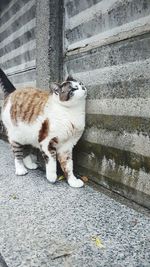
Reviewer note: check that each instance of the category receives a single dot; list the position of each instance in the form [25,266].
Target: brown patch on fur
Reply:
[63,162]
[43,133]
[27,104]
[52,146]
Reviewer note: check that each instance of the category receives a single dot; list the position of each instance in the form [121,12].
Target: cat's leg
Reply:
[29,162]
[18,153]
[65,159]
[49,155]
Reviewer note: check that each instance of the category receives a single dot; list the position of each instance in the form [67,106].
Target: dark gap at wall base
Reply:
[119,188]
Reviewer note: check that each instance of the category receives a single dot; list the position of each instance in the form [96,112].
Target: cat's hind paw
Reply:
[29,163]
[74,182]
[21,170]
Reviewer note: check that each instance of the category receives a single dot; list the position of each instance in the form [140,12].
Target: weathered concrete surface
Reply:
[42,44]
[49,22]
[107,47]
[54,225]
[103,16]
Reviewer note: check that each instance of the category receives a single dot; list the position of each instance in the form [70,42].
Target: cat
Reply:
[51,121]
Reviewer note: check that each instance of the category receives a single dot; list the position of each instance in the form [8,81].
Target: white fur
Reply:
[20,168]
[51,164]
[28,162]
[74,182]
[62,115]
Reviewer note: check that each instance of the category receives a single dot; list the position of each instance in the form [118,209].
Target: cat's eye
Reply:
[70,93]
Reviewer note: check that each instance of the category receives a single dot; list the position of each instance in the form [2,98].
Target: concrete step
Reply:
[48,225]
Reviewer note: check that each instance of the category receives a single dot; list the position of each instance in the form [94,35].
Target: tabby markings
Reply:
[27,104]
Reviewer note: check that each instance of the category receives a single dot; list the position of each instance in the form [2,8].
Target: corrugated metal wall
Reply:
[107,46]
[17,40]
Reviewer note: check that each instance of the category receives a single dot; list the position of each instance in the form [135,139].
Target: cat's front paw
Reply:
[74,182]
[52,177]
[21,170]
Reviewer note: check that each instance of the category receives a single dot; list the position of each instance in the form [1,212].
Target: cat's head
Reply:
[69,91]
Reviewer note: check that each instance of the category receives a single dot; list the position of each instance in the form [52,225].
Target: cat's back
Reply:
[26,104]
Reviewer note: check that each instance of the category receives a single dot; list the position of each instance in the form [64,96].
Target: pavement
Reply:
[48,225]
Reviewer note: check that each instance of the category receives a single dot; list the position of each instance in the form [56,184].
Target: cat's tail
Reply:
[6,84]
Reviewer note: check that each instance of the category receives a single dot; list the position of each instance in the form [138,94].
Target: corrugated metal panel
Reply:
[107,46]
[17,46]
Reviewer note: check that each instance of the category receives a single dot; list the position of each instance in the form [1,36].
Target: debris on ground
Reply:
[60,178]
[98,242]
[84,179]
[13,196]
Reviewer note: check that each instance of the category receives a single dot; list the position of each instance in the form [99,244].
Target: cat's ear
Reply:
[69,78]
[55,87]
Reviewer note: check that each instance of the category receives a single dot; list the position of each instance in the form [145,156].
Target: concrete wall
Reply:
[107,46]
[49,61]
[18,45]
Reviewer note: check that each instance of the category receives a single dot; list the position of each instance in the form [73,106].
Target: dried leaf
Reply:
[84,179]
[98,242]
[61,178]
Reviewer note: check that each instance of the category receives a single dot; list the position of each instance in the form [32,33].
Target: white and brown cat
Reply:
[52,122]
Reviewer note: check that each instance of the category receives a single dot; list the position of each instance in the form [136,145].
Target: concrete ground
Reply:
[54,225]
